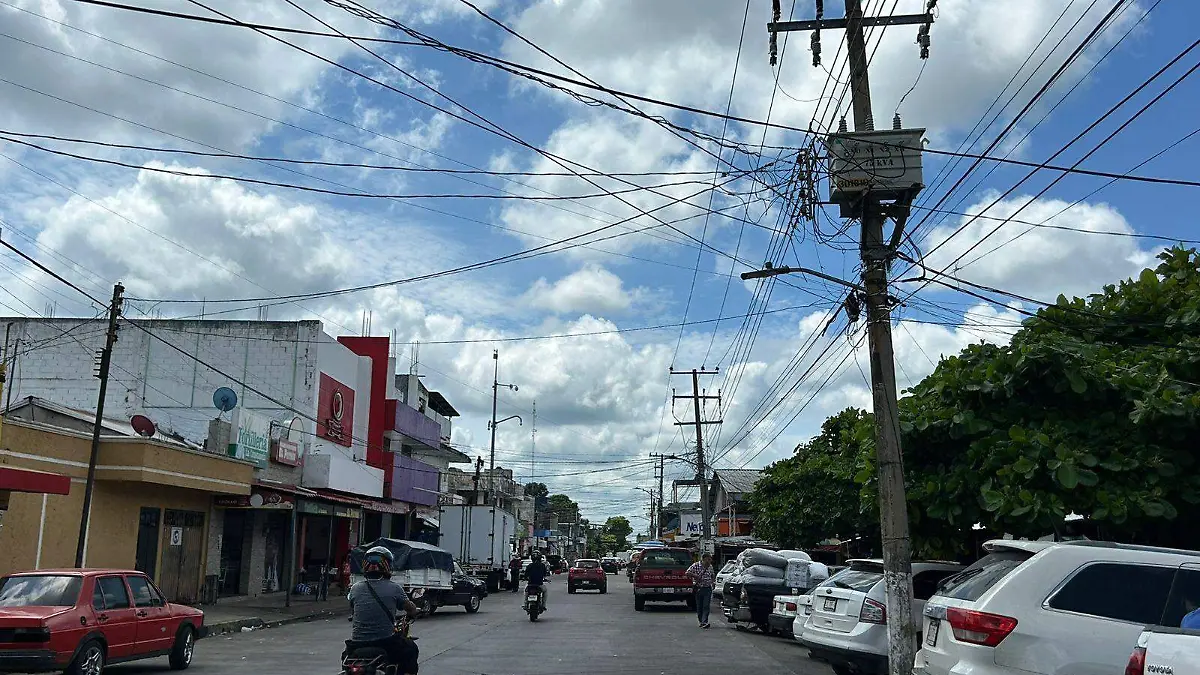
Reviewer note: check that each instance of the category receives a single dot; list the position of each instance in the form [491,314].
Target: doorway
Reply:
[147,541]
[183,553]
[229,577]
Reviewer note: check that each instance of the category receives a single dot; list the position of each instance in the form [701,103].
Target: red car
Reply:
[79,621]
[661,576]
[587,574]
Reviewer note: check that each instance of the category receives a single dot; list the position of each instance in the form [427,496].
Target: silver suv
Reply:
[847,626]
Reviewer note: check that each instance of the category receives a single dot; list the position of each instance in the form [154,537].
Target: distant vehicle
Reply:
[661,576]
[587,573]
[847,625]
[723,576]
[467,533]
[429,575]
[610,565]
[81,620]
[1047,608]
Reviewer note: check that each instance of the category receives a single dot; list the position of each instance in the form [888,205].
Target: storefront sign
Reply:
[326,509]
[286,452]
[259,499]
[335,411]
[251,437]
[690,524]
[177,536]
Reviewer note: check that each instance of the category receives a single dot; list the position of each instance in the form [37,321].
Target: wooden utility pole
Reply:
[657,515]
[114,313]
[701,470]
[876,253]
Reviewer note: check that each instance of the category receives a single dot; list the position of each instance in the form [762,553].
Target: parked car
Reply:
[723,577]
[661,576]
[1040,607]
[784,614]
[610,565]
[82,620]
[1173,651]
[847,625]
[587,573]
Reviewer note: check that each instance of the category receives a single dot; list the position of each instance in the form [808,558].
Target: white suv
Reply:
[846,620]
[1048,608]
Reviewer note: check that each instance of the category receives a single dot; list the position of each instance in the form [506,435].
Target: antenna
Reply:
[413,368]
[143,425]
[225,399]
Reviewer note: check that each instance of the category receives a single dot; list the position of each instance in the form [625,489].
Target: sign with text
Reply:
[691,524]
[258,499]
[286,452]
[335,411]
[250,437]
[797,575]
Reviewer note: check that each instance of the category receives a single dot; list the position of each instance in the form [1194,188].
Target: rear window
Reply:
[973,582]
[666,559]
[729,567]
[587,564]
[1142,598]
[40,591]
[854,579]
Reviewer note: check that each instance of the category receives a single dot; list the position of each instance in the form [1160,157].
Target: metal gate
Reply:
[182,555]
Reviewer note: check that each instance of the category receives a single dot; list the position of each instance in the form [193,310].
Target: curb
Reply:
[258,623]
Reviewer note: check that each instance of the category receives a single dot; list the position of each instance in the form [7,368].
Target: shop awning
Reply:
[28,480]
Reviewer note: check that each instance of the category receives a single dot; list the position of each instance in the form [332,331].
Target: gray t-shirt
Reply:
[372,622]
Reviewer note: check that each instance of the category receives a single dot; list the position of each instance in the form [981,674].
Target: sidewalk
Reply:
[231,615]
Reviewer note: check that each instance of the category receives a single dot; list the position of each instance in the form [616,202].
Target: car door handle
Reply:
[102,618]
[142,613]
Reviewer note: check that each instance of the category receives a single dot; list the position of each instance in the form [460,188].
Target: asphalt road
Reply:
[583,633]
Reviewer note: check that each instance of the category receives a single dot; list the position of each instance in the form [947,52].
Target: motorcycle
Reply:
[374,660]
[533,601]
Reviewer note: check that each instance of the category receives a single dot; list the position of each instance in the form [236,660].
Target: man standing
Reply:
[514,573]
[703,576]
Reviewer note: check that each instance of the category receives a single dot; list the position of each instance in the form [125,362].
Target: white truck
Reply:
[480,539]
[1166,651]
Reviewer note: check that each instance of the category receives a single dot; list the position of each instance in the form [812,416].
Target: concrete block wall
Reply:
[58,358]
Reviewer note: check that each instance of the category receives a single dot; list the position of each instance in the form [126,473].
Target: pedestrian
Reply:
[703,577]
[514,573]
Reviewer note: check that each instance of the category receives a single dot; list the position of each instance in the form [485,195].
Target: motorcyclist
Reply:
[375,603]
[536,574]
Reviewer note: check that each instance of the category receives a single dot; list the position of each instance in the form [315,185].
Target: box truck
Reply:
[479,537]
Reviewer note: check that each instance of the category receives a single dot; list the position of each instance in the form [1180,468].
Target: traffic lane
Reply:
[602,634]
[315,648]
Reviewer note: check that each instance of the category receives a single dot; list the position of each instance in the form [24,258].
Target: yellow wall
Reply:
[116,500]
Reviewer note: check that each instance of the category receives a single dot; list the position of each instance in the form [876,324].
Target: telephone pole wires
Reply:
[868,168]
[114,313]
[698,422]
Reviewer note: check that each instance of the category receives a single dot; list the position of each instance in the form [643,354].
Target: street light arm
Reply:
[510,417]
[776,271]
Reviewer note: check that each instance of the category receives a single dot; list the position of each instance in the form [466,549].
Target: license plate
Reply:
[932,632]
[830,604]
[531,598]
[668,590]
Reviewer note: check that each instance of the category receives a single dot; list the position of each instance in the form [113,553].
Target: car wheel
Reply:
[639,604]
[472,604]
[89,660]
[604,589]
[691,604]
[842,670]
[571,590]
[185,645]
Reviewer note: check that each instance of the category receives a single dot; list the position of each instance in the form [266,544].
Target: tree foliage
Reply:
[1093,408]
[615,534]
[536,490]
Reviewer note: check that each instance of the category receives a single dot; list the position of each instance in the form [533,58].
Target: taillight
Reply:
[41,634]
[1137,662]
[979,628]
[791,606]
[872,612]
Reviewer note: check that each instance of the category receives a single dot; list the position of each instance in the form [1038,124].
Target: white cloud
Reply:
[589,290]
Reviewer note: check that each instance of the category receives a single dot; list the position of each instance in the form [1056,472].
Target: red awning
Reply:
[28,480]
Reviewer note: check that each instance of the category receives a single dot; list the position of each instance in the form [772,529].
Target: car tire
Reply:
[842,670]
[691,604]
[184,647]
[472,605]
[603,589]
[89,661]
[639,604]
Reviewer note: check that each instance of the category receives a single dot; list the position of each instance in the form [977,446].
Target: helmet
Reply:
[378,562]
[537,556]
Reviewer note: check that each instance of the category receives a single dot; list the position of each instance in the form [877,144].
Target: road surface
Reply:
[582,633]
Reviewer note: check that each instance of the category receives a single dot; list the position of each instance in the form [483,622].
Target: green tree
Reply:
[536,490]
[616,533]
[818,492]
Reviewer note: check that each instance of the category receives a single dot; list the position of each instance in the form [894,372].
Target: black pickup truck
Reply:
[750,602]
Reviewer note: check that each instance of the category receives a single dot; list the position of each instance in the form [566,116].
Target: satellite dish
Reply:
[143,425]
[224,399]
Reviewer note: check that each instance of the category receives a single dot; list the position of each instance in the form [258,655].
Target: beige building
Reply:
[152,502]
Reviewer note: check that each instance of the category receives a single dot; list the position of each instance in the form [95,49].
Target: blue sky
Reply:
[170,83]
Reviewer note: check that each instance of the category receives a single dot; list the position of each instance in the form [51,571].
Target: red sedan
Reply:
[587,573]
[82,620]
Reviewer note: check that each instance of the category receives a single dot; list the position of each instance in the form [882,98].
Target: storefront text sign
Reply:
[286,452]
[335,411]
[251,437]
[259,499]
[324,509]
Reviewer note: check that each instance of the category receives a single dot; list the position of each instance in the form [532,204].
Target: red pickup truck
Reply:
[661,576]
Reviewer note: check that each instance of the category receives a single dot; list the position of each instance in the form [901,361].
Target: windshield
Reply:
[666,558]
[728,568]
[586,564]
[860,580]
[973,582]
[40,591]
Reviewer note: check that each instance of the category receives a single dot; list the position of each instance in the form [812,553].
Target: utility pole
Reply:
[869,152]
[658,526]
[114,312]
[3,375]
[699,422]
[492,498]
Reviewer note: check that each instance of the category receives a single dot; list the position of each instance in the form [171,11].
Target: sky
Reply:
[408,163]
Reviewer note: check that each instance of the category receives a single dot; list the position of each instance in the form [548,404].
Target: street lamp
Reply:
[770,270]
[653,514]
